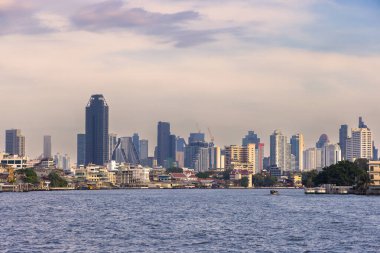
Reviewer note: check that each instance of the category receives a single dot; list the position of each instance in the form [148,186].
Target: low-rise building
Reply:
[374,176]
[14,161]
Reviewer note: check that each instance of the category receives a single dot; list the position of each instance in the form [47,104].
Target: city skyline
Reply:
[294,66]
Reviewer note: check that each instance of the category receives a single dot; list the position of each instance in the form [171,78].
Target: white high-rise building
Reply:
[66,165]
[362,143]
[331,154]
[215,157]
[312,159]
[280,151]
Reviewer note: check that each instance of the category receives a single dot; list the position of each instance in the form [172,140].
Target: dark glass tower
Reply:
[97,131]
[343,135]
[163,142]
[81,149]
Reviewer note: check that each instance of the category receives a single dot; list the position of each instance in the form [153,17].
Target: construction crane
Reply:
[211,136]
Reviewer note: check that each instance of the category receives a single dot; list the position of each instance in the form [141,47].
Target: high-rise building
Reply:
[215,154]
[375,152]
[163,143]
[297,148]
[323,141]
[331,154]
[144,150]
[180,153]
[197,156]
[112,142]
[250,138]
[362,143]
[361,123]
[66,165]
[58,161]
[81,149]
[14,142]
[280,151]
[196,137]
[343,135]
[312,159]
[47,147]
[125,152]
[136,142]
[97,149]
[241,157]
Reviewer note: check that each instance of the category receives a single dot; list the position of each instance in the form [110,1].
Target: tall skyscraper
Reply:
[280,151]
[323,141]
[343,135]
[297,148]
[163,142]
[215,157]
[97,149]
[47,147]
[252,138]
[196,137]
[14,142]
[361,123]
[313,159]
[125,151]
[144,150]
[136,142]
[331,154]
[66,165]
[81,149]
[112,142]
[362,143]
[197,156]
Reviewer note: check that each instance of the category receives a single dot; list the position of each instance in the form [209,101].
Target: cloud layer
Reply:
[301,66]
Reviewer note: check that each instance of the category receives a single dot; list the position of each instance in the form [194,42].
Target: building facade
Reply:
[47,147]
[97,138]
[81,150]
[280,151]
[297,149]
[14,142]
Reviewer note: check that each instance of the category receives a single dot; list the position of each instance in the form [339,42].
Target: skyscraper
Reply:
[196,137]
[97,130]
[280,151]
[163,142]
[252,138]
[241,157]
[361,123]
[362,143]
[81,149]
[343,135]
[297,148]
[136,142]
[331,154]
[144,150]
[14,142]
[112,142]
[47,146]
[323,141]
[125,151]
[197,156]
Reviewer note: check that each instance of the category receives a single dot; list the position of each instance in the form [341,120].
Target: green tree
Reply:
[203,174]
[344,173]
[226,174]
[56,180]
[174,170]
[29,176]
[244,182]
[260,180]
[308,178]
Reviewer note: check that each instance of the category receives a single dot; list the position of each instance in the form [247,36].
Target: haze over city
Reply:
[298,66]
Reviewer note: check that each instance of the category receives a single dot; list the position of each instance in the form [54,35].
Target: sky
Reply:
[231,66]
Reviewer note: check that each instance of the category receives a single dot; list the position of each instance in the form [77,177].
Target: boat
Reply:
[309,191]
[274,192]
[320,190]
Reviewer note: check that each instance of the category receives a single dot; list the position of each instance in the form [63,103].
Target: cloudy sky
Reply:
[295,65]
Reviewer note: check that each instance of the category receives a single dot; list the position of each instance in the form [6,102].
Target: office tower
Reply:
[196,137]
[349,150]
[136,142]
[215,154]
[361,123]
[163,142]
[252,138]
[361,143]
[241,157]
[14,142]
[343,135]
[66,166]
[180,153]
[279,151]
[58,161]
[312,159]
[47,146]
[297,148]
[197,156]
[81,149]
[97,148]
[144,150]
[331,154]
[375,152]
[125,152]
[112,142]
[266,163]
[323,141]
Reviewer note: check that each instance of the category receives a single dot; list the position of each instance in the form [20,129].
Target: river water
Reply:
[188,221]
